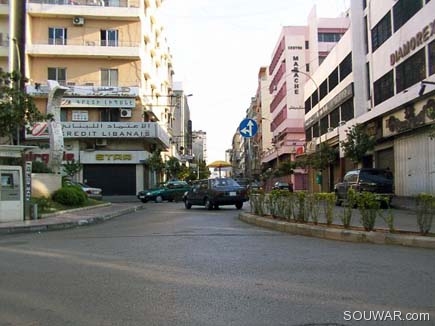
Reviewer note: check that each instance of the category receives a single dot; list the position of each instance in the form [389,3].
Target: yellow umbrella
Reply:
[219,165]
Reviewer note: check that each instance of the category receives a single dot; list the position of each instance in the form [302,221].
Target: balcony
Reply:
[38,90]
[100,9]
[88,48]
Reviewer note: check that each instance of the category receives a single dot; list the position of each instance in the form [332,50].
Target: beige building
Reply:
[118,109]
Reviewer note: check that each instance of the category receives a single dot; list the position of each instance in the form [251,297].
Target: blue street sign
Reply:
[248,128]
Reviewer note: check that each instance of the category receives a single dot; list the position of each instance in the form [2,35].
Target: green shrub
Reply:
[347,212]
[70,196]
[43,203]
[368,205]
[425,212]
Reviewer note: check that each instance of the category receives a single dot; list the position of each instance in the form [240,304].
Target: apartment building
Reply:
[113,57]
[301,48]
[381,75]
[4,34]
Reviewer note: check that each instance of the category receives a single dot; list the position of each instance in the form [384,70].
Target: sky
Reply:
[218,48]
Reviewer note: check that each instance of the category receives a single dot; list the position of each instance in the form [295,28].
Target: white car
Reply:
[92,192]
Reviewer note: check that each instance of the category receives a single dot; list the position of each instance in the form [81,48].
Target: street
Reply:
[165,265]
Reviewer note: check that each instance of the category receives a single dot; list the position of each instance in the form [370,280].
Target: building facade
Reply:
[380,75]
[298,48]
[120,105]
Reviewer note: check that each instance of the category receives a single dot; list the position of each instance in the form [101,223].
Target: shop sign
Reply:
[410,117]
[98,130]
[426,33]
[113,157]
[98,102]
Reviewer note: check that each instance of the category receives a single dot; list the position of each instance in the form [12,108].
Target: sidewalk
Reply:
[71,218]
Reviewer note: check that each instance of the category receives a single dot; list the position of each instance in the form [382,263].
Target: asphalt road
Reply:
[166,265]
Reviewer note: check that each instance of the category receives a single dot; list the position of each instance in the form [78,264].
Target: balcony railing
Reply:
[101,3]
[87,42]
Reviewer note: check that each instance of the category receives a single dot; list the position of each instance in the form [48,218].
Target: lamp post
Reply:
[319,178]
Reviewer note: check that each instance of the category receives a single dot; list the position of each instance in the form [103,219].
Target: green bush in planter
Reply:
[425,212]
[368,205]
[70,196]
[347,211]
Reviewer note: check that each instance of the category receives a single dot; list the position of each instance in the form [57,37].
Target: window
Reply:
[58,74]
[403,10]
[366,37]
[345,66]
[63,115]
[109,77]
[347,110]
[308,105]
[333,79]
[110,115]
[307,45]
[432,58]
[411,71]
[314,98]
[383,88]
[308,136]
[369,95]
[79,115]
[109,37]
[381,32]
[334,118]
[57,36]
[324,125]
[315,130]
[307,67]
[323,89]
[329,37]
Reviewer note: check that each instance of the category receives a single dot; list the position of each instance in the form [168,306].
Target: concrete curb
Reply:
[339,234]
[69,222]
[60,213]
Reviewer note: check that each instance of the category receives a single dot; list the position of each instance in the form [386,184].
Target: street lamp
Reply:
[319,176]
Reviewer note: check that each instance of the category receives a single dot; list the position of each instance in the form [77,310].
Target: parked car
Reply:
[91,192]
[212,193]
[379,181]
[170,191]
[280,185]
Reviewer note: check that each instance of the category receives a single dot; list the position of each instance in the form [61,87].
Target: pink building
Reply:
[298,48]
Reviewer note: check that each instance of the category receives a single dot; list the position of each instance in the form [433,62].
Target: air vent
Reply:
[78,21]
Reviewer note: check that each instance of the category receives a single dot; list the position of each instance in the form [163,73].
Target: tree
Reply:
[72,167]
[173,167]
[357,143]
[17,108]
[155,162]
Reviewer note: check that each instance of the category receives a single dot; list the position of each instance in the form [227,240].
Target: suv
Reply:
[170,191]
[214,192]
[379,181]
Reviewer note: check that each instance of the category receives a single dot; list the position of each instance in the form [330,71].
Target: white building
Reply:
[374,77]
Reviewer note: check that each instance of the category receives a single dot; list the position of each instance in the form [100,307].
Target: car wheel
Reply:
[144,200]
[216,206]
[208,204]
[187,204]
[159,199]
[239,205]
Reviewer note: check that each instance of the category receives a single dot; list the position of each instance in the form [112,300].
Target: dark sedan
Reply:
[211,193]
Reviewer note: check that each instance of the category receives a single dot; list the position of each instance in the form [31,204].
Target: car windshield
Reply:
[224,182]
[376,175]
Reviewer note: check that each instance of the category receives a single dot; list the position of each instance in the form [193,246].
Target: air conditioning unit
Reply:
[78,21]
[101,142]
[125,113]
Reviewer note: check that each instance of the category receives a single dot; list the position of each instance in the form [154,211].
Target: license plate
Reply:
[233,193]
